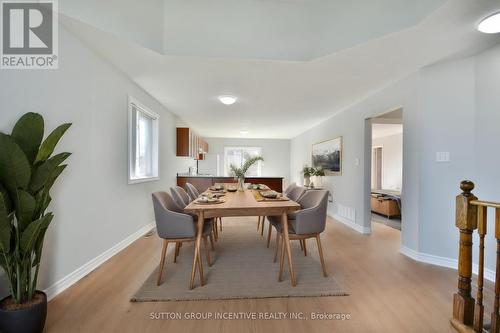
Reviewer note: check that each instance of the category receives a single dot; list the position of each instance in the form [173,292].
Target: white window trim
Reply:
[131,143]
[227,173]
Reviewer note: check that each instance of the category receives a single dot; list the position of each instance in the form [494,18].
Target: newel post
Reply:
[466,222]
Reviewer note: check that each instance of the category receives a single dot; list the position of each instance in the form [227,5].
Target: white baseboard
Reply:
[442,261]
[87,268]
[351,224]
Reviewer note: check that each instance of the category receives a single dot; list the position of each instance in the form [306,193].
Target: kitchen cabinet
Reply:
[190,144]
[202,183]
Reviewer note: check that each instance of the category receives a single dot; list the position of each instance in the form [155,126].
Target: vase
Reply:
[307,180]
[28,319]
[319,181]
[241,184]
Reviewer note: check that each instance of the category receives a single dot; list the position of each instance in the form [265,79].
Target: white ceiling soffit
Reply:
[133,20]
[283,30]
[280,99]
[293,30]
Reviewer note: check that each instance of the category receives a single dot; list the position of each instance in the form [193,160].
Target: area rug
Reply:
[243,268]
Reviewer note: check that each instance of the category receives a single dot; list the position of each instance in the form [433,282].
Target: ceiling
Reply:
[283,92]
[283,30]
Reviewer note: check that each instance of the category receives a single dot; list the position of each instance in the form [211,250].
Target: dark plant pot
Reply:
[27,320]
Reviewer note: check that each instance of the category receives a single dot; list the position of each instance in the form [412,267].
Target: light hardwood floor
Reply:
[388,293]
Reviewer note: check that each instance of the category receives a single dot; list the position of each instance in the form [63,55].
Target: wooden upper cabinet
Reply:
[183,142]
[189,144]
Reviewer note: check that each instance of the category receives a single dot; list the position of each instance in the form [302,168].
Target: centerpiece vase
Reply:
[241,184]
[307,181]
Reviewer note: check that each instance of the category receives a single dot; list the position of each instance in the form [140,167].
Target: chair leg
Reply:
[282,259]
[301,245]
[258,223]
[277,246]
[176,252]
[212,242]
[320,250]
[305,246]
[262,225]
[220,223]
[207,251]
[162,261]
[269,231]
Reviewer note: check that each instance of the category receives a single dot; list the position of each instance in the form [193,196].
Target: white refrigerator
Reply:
[210,165]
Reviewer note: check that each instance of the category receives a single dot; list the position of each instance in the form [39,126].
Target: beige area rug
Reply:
[243,268]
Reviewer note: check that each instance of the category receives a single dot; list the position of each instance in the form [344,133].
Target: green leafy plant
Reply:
[240,172]
[27,172]
[308,171]
[320,172]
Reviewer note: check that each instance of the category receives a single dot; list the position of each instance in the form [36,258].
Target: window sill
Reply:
[143,180]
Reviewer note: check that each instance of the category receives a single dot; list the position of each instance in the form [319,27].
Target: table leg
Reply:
[286,239]
[197,251]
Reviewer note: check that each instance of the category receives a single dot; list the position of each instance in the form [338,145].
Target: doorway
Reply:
[386,165]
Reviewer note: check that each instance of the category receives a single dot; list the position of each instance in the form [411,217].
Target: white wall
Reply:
[392,161]
[347,190]
[276,154]
[93,205]
[451,106]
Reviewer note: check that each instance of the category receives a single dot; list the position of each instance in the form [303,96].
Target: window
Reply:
[238,156]
[143,143]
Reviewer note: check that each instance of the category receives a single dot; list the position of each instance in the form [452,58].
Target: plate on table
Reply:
[258,187]
[232,189]
[269,194]
[218,188]
[207,201]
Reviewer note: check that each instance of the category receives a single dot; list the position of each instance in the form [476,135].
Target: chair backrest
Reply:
[296,193]
[192,191]
[289,188]
[180,196]
[170,221]
[314,204]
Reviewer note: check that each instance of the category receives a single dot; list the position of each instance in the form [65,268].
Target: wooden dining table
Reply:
[241,204]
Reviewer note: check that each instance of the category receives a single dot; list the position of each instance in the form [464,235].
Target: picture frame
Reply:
[328,156]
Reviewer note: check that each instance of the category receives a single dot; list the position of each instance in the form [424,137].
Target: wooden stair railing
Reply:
[471,214]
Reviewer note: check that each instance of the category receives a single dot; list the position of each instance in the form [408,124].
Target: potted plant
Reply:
[319,174]
[308,172]
[239,173]
[27,172]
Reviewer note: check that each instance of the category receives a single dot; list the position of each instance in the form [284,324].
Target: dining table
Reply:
[241,203]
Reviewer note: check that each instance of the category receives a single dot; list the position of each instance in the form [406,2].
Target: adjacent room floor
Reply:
[388,293]
[394,222]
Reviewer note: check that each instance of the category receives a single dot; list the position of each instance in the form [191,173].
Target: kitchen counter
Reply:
[197,176]
[203,182]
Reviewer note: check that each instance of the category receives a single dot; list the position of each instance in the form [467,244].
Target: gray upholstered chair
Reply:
[293,192]
[289,188]
[296,192]
[176,227]
[180,196]
[192,191]
[262,219]
[308,222]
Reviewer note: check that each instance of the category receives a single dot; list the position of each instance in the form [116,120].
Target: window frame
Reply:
[226,166]
[132,134]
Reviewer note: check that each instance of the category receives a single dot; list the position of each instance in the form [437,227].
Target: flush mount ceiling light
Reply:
[227,99]
[490,24]
[243,132]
